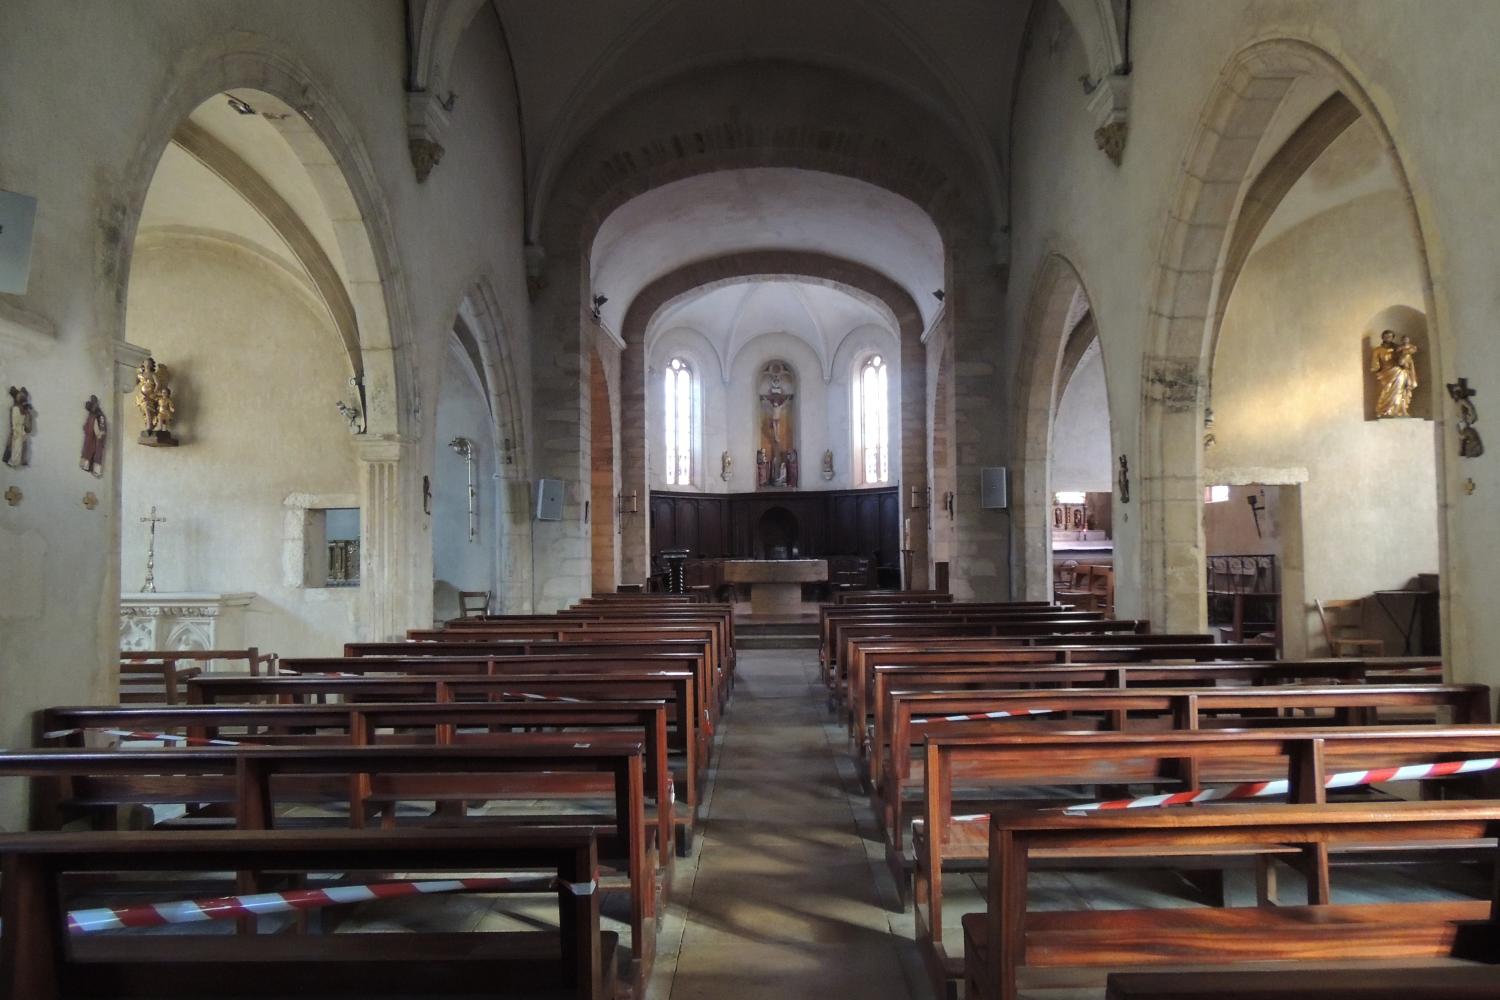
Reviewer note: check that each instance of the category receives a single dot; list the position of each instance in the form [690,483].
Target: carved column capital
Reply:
[1109,103]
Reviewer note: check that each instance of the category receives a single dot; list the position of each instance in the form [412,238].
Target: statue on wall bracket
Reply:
[1394,366]
[95,436]
[22,424]
[153,397]
[776,464]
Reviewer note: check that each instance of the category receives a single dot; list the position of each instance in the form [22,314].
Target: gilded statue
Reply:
[153,397]
[1395,369]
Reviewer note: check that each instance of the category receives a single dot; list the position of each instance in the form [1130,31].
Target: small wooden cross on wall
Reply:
[13,496]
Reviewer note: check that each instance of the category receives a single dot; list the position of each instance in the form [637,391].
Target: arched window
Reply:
[872,448]
[678,400]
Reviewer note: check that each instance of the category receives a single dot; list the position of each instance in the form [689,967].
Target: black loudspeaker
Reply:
[994,487]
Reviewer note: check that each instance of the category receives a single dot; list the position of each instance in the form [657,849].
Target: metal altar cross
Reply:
[153,520]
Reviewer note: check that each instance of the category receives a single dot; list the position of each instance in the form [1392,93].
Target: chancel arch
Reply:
[1225,216]
[891,321]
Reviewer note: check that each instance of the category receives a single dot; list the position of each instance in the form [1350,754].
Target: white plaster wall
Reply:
[459,563]
[1080,432]
[256,366]
[89,158]
[729,414]
[1289,391]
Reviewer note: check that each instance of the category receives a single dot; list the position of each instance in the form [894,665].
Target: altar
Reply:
[183,621]
[776,584]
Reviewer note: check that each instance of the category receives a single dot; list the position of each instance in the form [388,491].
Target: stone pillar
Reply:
[635,529]
[1168,484]
[914,472]
[395,575]
[560,401]
[980,563]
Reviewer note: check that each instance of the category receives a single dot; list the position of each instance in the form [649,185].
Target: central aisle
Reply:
[784,903]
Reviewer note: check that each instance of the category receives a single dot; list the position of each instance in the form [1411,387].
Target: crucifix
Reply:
[153,520]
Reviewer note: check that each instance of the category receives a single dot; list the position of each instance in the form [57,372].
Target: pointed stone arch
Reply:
[1195,270]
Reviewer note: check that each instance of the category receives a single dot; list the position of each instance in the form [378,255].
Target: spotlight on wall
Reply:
[599,301]
[240,106]
[940,295]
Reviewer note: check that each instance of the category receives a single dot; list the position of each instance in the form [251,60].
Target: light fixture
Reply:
[939,294]
[465,447]
[240,106]
[599,301]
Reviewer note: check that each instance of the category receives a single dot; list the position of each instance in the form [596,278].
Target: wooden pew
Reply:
[675,688]
[916,716]
[1427,982]
[480,660]
[993,768]
[893,597]
[846,634]
[829,615]
[39,960]
[1046,650]
[560,642]
[1006,669]
[355,724]
[372,780]
[1008,938]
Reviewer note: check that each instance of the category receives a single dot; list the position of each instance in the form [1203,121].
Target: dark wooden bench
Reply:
[1006,676]
[675,688]
[973,774]
[40,960]
[371,781]
[1041,651]
[1010,938]
[354,724]
[479,660]
[916,716]
[1428,982]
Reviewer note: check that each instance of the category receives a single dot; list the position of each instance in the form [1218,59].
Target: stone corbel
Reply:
[1109,104]
[426,129]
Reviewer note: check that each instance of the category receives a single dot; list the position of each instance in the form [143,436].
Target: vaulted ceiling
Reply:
[577,60]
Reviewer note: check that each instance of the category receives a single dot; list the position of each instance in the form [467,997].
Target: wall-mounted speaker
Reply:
[17,217]
[994,487]
[549,499]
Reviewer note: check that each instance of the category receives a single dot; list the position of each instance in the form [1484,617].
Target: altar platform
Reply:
[776,584]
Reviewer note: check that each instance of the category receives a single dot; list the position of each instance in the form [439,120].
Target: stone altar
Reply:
[183,621]
[776,584]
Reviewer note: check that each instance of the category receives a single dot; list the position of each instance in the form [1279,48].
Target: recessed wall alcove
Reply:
[777,535]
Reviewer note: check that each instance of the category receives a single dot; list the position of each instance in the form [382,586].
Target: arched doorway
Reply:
[467,547]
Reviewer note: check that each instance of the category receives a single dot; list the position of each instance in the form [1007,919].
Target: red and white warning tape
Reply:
[1281,786]
[231,907]
[979,716]
[132,734]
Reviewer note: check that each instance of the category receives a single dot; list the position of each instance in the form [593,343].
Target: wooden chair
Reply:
[473,603]
[1345,639]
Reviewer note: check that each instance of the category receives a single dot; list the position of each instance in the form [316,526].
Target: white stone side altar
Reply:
[183,621]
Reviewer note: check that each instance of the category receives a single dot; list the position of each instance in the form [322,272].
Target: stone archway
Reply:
[851,277]
[1195,270]
[395,592]
[779,120]
[1059,304]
